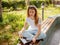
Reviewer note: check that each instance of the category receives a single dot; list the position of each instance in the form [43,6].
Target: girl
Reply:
[34,29]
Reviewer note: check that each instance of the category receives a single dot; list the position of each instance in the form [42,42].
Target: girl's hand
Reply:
[20,34]
[34,40]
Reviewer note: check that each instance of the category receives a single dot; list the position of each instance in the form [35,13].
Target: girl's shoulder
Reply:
[27,19]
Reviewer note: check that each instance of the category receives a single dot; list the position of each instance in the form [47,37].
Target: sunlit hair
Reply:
[35,16]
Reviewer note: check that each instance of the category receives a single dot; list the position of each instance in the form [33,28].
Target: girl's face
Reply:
[31,12]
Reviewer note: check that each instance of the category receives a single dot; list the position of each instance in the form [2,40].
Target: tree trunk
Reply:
[27,2]
[37,1]
[0,11]
[53,2]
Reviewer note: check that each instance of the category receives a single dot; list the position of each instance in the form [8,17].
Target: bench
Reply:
[46,24]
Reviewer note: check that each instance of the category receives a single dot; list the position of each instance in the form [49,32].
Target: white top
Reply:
[32,23]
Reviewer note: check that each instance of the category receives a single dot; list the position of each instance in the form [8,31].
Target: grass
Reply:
[50,11]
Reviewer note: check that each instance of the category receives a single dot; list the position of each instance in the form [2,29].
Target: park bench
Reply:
[46,24]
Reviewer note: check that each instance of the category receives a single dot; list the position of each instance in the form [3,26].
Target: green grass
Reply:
[50,11]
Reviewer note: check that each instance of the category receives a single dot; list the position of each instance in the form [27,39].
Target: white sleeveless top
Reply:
[32,23]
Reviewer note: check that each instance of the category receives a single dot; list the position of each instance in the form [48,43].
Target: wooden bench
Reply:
[46,24]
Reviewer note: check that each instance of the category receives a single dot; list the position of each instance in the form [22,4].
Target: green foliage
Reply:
[5,37]
[15,42]
[16,22]
[21,4]
[13,20]
[36,4]
[13,4]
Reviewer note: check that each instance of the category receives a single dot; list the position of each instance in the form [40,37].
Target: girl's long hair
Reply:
[35,16]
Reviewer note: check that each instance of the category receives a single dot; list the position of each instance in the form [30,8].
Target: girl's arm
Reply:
[38,32]
[24,27]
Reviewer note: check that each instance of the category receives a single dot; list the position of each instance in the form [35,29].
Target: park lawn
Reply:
[50,11]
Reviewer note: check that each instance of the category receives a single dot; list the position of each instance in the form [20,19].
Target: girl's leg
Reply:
[41,36]
[28,35]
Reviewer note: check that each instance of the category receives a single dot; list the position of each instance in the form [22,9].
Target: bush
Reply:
[5,37]
[16,22]
[21,4]
[36,4]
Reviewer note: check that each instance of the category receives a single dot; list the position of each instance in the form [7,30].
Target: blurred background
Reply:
[13,14]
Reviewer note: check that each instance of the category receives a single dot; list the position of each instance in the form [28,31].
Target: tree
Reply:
[0,10]
[27,2]
[15,5]
[54,2]
[37,1]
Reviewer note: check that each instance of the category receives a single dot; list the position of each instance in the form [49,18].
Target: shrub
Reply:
[5,37]
[16,21]
[21,4]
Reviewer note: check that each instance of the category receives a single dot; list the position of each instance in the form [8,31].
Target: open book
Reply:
[24,41]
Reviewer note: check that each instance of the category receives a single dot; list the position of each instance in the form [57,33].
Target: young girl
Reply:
[34,29]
